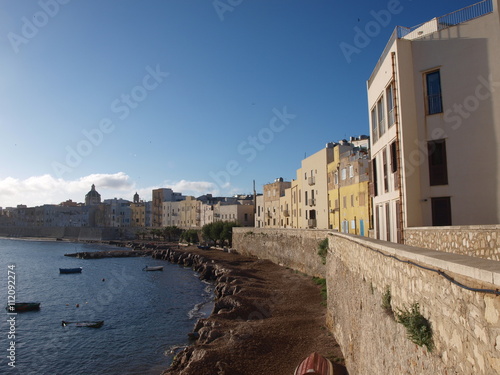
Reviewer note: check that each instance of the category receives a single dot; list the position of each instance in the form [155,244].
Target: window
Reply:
[441,211]
[352,200]
[438,171]
[336,178]
[389,98]
[387,222]
[374,125]
[375,180]
[351,171]
[394,158]
[380,117]
[345,201]
[362,199]
[343,174]
[384,162]
[434,100]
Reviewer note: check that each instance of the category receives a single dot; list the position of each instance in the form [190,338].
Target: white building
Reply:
[434,103]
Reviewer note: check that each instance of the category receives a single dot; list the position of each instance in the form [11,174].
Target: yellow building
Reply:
[348,189]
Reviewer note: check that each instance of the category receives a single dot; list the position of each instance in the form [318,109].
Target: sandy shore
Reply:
[266,318]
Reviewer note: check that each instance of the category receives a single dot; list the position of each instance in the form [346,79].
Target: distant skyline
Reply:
[200,96]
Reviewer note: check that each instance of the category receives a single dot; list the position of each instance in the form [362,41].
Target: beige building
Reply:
[272,194]
[434,103]
[312,190]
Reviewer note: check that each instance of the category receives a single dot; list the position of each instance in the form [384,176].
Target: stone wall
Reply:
[293,248]
[481,241]
[68,233]
[465,324]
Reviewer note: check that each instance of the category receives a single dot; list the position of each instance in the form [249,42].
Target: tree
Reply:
[190,236]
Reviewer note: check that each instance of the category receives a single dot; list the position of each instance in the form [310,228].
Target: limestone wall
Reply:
[69,233]
[466,324]
[294,248]
[481,241]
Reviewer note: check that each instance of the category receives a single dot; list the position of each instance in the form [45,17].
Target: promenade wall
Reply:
[67,233]
[481,241]
[360,270]
[293,248]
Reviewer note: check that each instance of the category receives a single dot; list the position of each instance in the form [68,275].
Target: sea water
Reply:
[146,315]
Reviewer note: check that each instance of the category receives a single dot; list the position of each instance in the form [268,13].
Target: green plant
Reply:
[322,283]
[323,250]
[386,301]
[417,326]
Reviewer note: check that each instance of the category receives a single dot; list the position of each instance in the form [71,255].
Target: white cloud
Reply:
[193,187]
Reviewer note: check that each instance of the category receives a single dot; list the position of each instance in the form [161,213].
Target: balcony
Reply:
[311,180]
[311,223]
[286,213]
[311,202]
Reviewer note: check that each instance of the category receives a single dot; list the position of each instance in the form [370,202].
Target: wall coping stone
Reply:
[485,270]
[457,227]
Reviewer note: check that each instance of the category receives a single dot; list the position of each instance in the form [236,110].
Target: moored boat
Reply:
[70,270]
[315,364]
[203,247]
[155,268]
[23,306]
[90,324]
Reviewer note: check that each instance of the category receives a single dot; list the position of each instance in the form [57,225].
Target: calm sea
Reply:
[145,313]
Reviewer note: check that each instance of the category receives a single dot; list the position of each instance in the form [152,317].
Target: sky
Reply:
[201,96]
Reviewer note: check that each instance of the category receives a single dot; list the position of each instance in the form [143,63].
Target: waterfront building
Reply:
[138,214]
[117,213]
[240,212]
[313,202]
[433,100]
[92,198]
[159,197]
[348,187]
[272,194]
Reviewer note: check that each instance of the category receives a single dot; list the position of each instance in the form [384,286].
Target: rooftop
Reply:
[436,24]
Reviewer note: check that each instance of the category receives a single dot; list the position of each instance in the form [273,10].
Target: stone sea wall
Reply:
[293,248]
[465,324]
[68,233]
[481,241]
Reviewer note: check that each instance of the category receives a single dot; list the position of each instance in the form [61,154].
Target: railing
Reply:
[311,180]
[311,202]
[451,19]
[311,223]
[466,14]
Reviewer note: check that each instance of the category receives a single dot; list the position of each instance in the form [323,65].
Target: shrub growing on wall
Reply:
[418,328]
[323,250]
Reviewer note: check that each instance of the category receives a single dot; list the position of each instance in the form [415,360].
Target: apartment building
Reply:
[272,208]
[434,110]
[159,197]
[348,187]
[312,191]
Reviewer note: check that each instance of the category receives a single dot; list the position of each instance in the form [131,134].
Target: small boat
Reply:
[70,270]
[23,306]
[203,247]
[315,364]
[155,268]
[90,324]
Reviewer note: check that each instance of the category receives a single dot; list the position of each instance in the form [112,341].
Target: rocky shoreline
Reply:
[266,318]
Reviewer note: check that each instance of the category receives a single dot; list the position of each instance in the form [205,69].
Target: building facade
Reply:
[434,102]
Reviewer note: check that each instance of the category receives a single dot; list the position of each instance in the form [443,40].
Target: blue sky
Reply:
[199,96]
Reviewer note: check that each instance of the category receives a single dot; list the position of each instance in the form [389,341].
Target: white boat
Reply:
[155,268]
